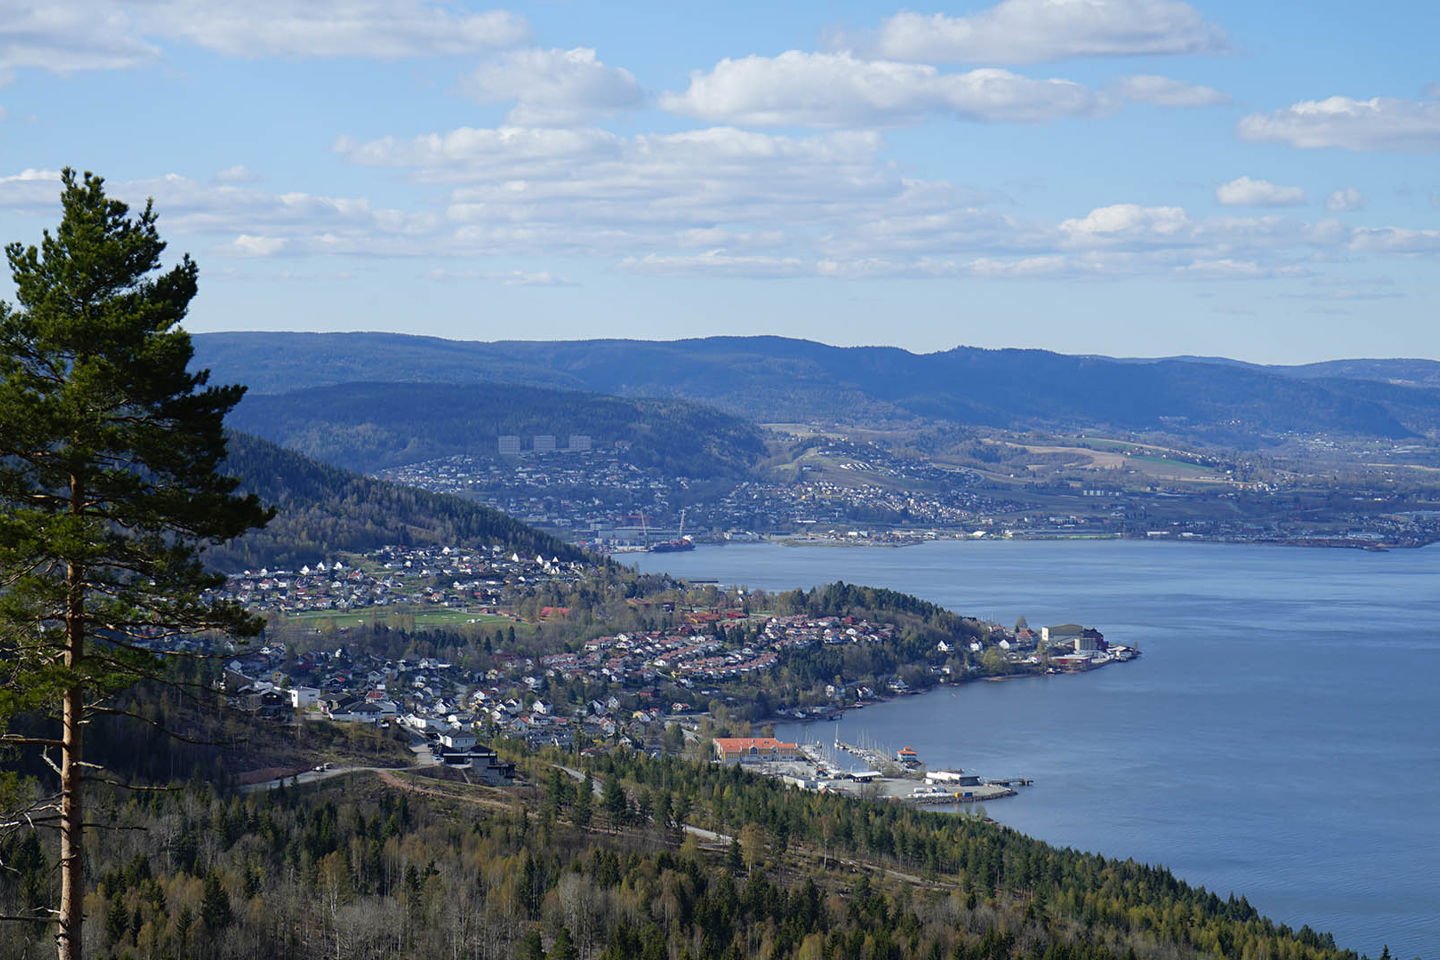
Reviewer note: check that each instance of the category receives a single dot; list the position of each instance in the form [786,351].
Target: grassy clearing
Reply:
[1179,466]
[418,616]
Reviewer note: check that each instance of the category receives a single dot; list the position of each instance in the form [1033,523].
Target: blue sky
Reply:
[1129,177]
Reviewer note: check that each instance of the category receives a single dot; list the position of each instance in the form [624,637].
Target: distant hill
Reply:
[772,378]
[371,426]
[322,510]
[1422,373]
[1404,372]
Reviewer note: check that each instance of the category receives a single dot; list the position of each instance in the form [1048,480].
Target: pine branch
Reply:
[29,741]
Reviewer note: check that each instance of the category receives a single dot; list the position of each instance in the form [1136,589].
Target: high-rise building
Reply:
[509,446]
[545,443]
[579,443]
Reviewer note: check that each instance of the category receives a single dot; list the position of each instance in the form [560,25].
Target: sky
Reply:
[1122,177]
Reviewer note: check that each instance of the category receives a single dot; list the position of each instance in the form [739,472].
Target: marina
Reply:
[897,775]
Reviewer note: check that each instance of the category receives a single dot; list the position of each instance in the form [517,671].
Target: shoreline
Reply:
[838,712]
[1311,543]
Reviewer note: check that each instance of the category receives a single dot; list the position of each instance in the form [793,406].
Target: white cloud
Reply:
[32,175]
[251,223]
[1165,92]
[1245,192]
[1395,240]
[1125,223]
[1345,199]
[729,193]
[722,238]
[839,89]
[1029,31]
[31,189]
[65,36]
[1381,123]
[249,245]
[698,178]
[470,153]
[730,202]
[1227,268]
[1054,266]
[716,202]
[555,87]
[1223,269]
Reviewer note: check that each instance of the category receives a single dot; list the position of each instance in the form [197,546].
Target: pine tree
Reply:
[584,808]
[215,909]
[109,488]
[616,804]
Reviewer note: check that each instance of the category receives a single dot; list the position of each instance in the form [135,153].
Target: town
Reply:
[330,654]
[840,488]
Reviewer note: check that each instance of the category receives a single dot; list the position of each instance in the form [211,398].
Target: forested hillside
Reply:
[321,510]
[371,426]
[388,866]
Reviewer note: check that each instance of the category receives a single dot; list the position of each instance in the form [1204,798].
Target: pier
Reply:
[877,759]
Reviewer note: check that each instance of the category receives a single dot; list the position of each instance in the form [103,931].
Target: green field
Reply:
[1176,463]
[420,616]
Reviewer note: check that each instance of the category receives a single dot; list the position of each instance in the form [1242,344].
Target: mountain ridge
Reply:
[775,378]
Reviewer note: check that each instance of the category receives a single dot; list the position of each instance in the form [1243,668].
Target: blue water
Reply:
[1279,739]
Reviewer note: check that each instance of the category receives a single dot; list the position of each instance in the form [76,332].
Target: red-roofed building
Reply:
[753,749]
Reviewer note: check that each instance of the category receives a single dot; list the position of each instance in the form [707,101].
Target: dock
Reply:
[987,791]
[875,758]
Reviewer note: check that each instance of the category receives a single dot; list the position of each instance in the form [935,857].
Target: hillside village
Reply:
[482,580]
[598,497]
[635,687]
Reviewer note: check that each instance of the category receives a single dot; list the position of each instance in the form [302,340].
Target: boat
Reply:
[680,544]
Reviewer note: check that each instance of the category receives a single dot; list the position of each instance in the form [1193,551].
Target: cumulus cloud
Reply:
[554,87]
[1245,192]
[1125,223]
[1030,31]
[65,36]
[1165,92]
[1380,123]
[1345,199]
[839,89]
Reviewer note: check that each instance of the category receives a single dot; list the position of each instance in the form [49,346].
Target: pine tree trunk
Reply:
[69,941]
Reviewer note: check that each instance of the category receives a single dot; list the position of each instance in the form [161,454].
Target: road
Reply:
[423,758]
